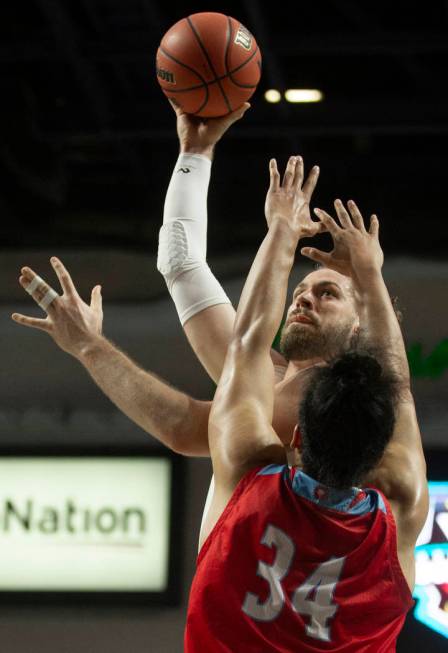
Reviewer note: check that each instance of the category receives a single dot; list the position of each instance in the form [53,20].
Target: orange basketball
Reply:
[208,64]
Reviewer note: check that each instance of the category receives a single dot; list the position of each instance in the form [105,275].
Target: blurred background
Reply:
[87,147]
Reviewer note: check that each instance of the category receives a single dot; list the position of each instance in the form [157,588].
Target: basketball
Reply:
[208,64]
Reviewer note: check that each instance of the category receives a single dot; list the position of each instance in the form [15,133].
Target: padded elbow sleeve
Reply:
[183,239]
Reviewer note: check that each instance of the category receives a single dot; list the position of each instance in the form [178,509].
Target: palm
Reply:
[340,258]
[205,132]
[290,199]
[76,321]
[303,216]
[190,126]
[295,205]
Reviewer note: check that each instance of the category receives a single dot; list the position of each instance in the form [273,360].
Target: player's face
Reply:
[322,317]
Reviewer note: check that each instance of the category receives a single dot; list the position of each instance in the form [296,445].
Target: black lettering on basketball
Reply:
[166,75]
[244,38]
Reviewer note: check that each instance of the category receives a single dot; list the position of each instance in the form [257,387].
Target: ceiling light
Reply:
[272,96]
[303,95]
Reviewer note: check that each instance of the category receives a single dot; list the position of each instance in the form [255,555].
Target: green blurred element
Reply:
[276,343]
[415,360]
[434,365]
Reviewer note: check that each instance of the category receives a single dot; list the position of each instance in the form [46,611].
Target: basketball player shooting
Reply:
[325,296]
[305,560]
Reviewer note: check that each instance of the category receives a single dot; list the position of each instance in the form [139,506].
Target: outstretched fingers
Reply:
[329,223]
[237,114]
[64,277]
[274,176]
[288,178]
[355,213]
[38,288]
[33,322]
[310,182]
[343,215]
[298,173]
[28,276]
[96,301]
[316,255]
[374,227]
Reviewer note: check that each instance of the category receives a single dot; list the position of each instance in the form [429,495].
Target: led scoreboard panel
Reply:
[85,524]
[431,557]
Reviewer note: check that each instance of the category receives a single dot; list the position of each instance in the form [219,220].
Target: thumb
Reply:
[238,113]
[316,255]
[176,108]
[96,301]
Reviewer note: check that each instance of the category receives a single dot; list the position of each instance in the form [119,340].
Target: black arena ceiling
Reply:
[88,140]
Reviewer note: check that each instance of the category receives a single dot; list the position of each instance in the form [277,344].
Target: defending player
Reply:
[303,560]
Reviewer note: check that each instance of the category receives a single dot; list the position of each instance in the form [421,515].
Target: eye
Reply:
[327,293]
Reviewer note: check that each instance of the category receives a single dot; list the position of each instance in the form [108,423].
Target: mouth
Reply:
[303,319]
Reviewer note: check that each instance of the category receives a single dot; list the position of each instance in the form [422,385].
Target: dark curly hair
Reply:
[346,418]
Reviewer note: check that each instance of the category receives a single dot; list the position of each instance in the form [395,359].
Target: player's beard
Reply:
[302,341]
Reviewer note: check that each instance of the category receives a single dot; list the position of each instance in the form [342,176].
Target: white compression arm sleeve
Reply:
[183,239]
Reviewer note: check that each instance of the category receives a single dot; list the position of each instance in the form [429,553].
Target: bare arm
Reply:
[402,472]
[357,253]
[174,418]
[240,431]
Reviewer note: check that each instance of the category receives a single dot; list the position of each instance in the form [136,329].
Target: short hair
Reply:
[346,418]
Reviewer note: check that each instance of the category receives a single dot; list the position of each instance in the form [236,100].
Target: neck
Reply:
[296,366]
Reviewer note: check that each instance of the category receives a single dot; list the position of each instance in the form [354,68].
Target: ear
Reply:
[296,442]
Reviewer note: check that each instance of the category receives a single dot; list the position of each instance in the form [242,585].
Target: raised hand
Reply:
[290,198]
[71,322]
[200,135]
[356,250]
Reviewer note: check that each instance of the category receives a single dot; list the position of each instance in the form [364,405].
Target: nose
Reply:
[305,300]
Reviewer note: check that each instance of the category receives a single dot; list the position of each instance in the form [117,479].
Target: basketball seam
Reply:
[170,56]
[203,85]
[209,63]
[229,38]
[235,70]
[229,73]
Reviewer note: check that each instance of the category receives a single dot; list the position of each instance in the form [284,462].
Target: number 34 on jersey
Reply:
[313,598]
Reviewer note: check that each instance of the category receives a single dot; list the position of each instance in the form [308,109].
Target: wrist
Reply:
[284,238]
[368,285]
[282,225]
[89,348]
[365,275]
[201,150]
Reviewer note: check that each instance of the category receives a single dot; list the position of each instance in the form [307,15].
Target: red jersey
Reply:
[292,565]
